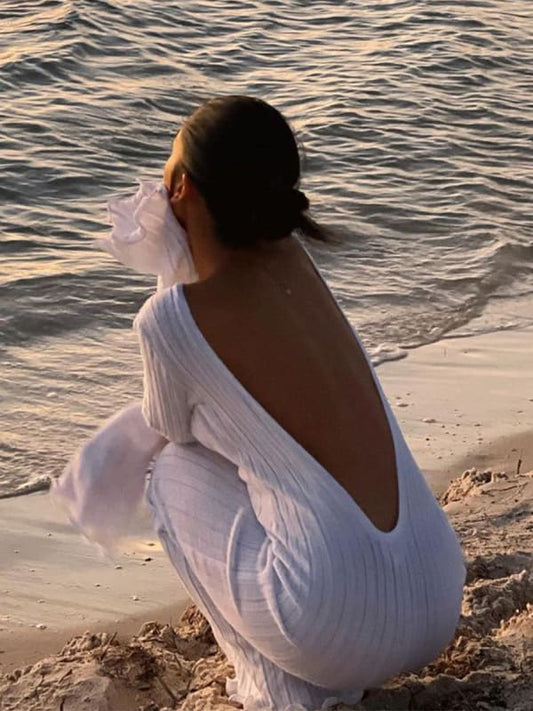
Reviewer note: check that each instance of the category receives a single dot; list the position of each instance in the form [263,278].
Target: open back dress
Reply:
[310,601]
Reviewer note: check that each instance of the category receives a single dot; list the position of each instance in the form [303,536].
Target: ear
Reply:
[182,189]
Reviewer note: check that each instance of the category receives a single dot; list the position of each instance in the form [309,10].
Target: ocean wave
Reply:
[28,487]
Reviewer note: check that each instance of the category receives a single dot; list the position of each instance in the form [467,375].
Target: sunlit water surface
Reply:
[416,121]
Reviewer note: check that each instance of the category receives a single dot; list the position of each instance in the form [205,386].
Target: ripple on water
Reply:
[416,126]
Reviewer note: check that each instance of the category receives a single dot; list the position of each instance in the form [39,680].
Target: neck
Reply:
[211,257]
[208,254]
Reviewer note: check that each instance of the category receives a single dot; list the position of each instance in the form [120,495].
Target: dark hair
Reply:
[242,156]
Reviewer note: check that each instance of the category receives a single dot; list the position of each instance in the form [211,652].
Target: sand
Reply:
[462,402]
[488,665]
[465,402]
[53,584]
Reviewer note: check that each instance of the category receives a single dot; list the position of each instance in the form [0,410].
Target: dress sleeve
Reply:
[165,404]
[167,400]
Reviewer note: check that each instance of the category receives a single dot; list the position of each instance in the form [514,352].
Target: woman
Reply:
[285,495]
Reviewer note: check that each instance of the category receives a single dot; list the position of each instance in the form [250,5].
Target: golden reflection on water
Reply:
[55,265]
[47,15]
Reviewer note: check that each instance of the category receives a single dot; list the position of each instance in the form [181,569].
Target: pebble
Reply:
[148,559]
[40,626]
[97,585]
[403,404]
[135,598]
[118,567]
[40,601]
[429,420]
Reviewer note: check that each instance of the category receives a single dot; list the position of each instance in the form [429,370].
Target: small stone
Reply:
[40,626]
[40,601]
[429,420]
[118,567]
[135,598]
[49,535]
[403,404]
[148,559]
[97,585]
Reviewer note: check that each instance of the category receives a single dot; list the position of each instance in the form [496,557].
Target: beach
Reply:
[463,403]
[415,137]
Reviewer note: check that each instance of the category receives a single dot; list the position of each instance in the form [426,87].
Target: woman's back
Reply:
[295,557]
[274,324]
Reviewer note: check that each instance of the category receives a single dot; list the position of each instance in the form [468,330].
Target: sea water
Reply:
[415,121]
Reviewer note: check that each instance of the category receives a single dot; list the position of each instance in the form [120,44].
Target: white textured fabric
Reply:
[310,601]
[147,237]
[103,483]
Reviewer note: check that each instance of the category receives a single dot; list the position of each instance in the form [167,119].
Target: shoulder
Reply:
[160,324]
[159,310]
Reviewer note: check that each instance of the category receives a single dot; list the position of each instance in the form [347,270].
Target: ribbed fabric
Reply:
[309,600]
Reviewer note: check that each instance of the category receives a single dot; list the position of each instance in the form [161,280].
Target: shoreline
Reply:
[55,584]
[461,402]
[465,401]
[487,665]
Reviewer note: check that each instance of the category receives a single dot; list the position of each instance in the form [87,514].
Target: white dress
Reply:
[309,600]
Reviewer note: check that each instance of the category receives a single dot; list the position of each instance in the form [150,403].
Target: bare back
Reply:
[297,356]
